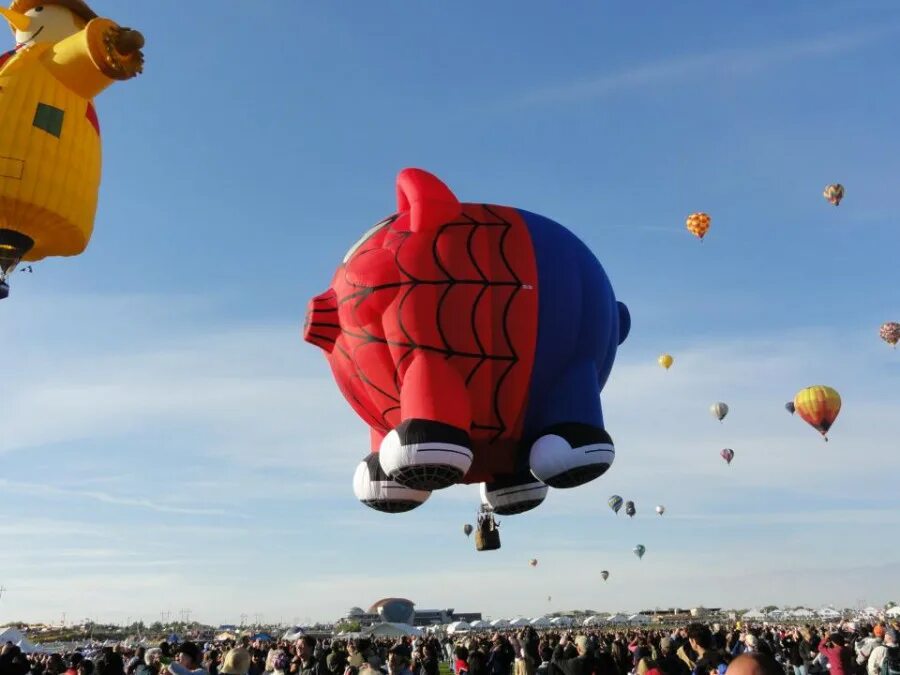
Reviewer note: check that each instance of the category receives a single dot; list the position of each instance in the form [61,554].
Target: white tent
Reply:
[458,627]
[499,623]
[294,633]
[540,622]
[388,629]
[593,621]
[519,623]
[641,619]
[616,618]
[829,613]
[17,637]
[802,613]
[753,615]
[479,625]
[562,621]
[870,612]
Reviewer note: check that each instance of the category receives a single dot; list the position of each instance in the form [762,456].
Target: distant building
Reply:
[401,610]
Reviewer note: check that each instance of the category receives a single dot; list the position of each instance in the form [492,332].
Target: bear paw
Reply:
[571,454]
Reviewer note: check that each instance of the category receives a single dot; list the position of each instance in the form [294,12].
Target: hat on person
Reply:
[237,662]
[78,7]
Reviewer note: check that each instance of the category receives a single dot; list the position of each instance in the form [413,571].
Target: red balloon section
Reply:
[434,327]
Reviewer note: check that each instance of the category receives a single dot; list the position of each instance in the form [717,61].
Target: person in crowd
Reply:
[573,657]
[708,657]
[398,662]
[754,664]
[867,645]
[151,664]
[834,648]
[885,658]
[461,663]
[189,661]
[668,662]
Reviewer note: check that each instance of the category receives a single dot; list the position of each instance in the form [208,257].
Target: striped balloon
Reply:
[834,193]
[819,407]
[698,224]
[719,410]
[615,503]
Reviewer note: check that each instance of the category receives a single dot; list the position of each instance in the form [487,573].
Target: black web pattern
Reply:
[481,355]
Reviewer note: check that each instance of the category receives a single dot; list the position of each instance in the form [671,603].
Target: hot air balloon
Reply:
[665,361]
[549,598]
[639,550]
[533,562]
[615,503]
[50,136]
[660,509]
[890,333]
[727,454]
[834,193]
[819,407]
[467,529]
[604,575]
[719,410]
[698,224]
[789,406]
[417,326]
[629,509]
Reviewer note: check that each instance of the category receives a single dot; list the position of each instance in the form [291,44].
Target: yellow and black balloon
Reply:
[50,151]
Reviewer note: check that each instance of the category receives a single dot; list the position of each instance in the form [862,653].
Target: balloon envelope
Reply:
[890,333]
[532,562]
[660,509]
[665,361]
[639,550]
[719,410]
[605,575]
[819,407]
[789,406]
[467,529]
[727,454]
[615,503]
[834,193]
[629,509]
[698,224]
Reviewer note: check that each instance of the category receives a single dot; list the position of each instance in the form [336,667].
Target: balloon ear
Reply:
[429,201]
[624,322]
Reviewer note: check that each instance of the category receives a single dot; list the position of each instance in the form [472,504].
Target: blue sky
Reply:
[169,441]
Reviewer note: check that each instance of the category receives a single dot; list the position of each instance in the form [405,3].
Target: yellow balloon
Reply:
[666,361]
[49,133]
[819,407]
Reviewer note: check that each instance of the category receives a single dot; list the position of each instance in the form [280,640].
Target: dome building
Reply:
[395,610]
